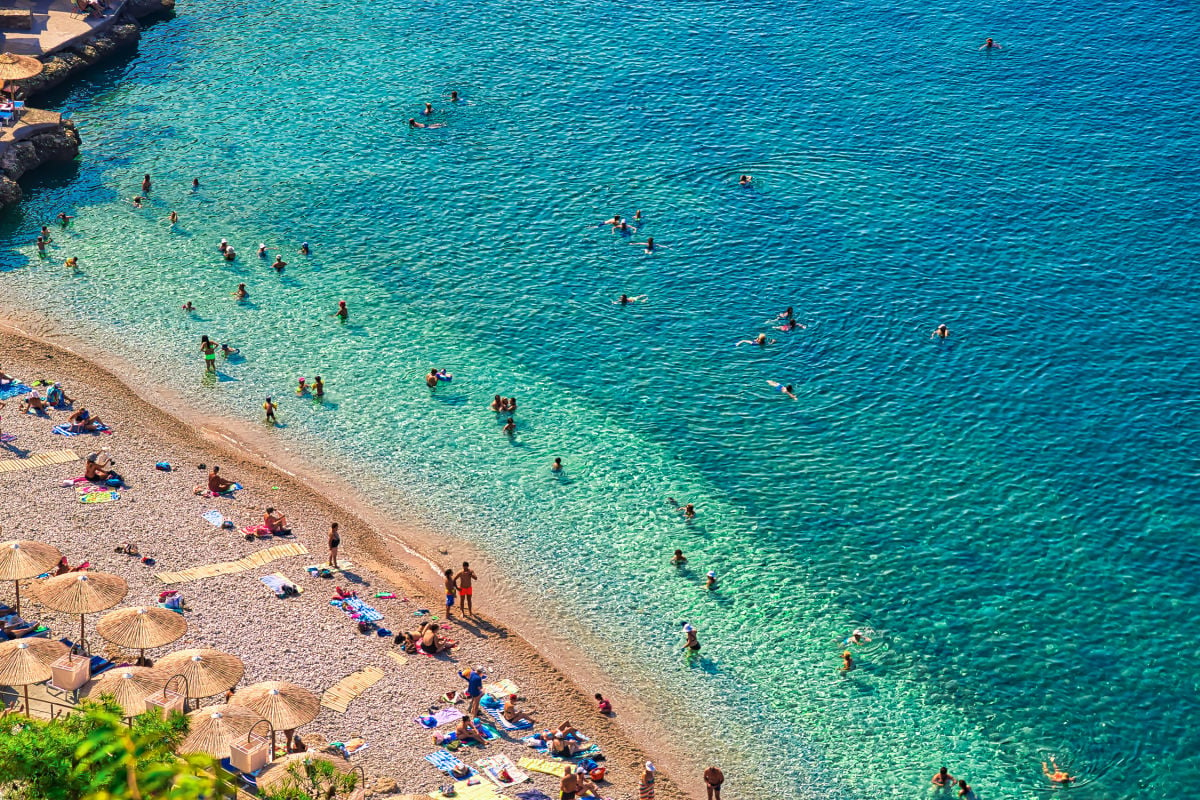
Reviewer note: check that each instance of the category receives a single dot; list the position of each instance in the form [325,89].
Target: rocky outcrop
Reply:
[146,8]
[82,57]
[60,143]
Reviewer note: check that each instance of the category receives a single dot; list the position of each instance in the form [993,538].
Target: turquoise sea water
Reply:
[1012,511]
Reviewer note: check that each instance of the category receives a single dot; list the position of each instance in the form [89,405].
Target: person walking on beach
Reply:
[646,786]
[713,778]
[465,588]
[209,349]
[335,541]
[451,590]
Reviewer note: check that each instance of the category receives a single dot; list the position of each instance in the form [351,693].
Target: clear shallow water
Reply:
[1013,510]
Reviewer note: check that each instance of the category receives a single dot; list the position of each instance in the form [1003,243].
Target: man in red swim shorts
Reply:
[465,589]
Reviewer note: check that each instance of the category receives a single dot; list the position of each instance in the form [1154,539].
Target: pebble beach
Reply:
[301,639]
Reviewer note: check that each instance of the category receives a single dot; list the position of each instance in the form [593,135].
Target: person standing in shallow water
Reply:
[209,349]
[713,778]
[466,589]
[342,312]
[146,184]
[451,587]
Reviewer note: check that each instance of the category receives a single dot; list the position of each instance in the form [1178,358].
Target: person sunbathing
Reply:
[466,731]
[35,404]
[98,466]
[563,747]
[275,523]
[15,628]
[82,420]
[217,484]
[407,641]
[430,642]
[63,566]
[511,713]
[5,378]
[56,397]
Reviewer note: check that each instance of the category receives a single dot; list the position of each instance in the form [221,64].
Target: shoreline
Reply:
[401,549]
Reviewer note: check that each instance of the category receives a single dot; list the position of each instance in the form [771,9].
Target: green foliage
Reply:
[315,779]
[92,755]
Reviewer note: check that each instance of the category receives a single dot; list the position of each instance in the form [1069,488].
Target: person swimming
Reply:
[230,255]
[412,123]
[173,217]
[305,249]
[241,293]
[510,427]
[46,234]
[943,778]
[688,511]
[222,246]
[1057,775]
[437,375]
[226,350]
[692,642]
[625,229]
[940,332]
[195,184]
[301,386]
[990,45]
[637,215]
[710,581]
[859,637]
[279,264]
[146,184]
[847,661]
[497,404]
[790,325]
[679,559]
[454,96]
[615,221]
[648,244]
[63,219]
[318,387]
[342,312]
[745,180]
[428,111]
[71,263]
[761,340]
[782,388]
[137,201]
[557,465]
[262,250]
[41,245]
[625,299]
[188,307]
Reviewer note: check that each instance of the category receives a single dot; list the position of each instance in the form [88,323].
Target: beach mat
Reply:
[252,561]
[65,430]
[492,766]
[501,688]
[92,498]
[8,437]
[397,657]
[446,761]
[339,696]
[556,768]
[276,583]
[38,460]
[14,389]
[463,790]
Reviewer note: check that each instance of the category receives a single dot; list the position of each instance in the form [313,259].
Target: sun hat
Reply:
[712,574]
[687,628]
[649,766]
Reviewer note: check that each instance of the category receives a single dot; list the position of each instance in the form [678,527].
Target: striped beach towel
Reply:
[498,715]
[446,761]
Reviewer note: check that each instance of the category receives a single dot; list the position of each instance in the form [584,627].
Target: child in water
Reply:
[269,408]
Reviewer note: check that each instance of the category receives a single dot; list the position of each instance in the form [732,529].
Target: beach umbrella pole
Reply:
[18,585]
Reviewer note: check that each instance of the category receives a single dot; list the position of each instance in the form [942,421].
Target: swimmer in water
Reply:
[688,511]
[241,293]
[510,404]
[847,661]
[692,644]
[710,581]
[262,250]
[428,110]
[1057,775]
[301,387]
[557,465]
[454,96]
[940,332]
[679,559]
[146,184]
[279,264]
[964,790]
[782,388]
[173,217]
[789,326]
[63,219]
[745,180]
[648,244]
[637,215]
[625,299]
[990,45]
[269,409]
[858,637]
[305,249]
[615,221]
[41,246]
[412,123]
[230,255]
[209,349]
[431,380]
[46,234]
[497,404]
[942,778]
[137,201]
[226,350]
[71,263]
[761,340]
[787,314]
[318,387]
[195,184]
[187,307]
[625,229]
[510,427]
[222,246]
[342,312]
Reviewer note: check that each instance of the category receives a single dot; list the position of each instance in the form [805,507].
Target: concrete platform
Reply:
[56,24]
[32,122]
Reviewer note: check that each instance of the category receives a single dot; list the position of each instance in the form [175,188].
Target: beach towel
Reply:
[216,518]
[280,585]
[446,762]
[443,717]
[533,794]
[14,389]
[256,530]
[357,610]
[502,688]
[313,569]
[498,715]
[494,767]
[350,746]
[555,768]
[473,788]
[65,430]
[91,498]
[8,437]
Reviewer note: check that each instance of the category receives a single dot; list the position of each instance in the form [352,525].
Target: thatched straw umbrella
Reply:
[129,685]
[26,661]
[139,628]
[82,593]
[208,672]
[22,559]
[213,728]
[15,68]
[277,775]
[285,705]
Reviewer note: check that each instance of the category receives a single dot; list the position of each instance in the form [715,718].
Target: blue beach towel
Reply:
[214,517]
[65,430]
[14,389]
[498,715]
[446,761]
